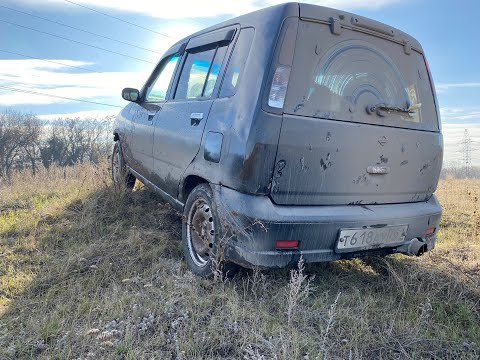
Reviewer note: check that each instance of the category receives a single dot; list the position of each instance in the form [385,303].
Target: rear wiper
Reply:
[380,109]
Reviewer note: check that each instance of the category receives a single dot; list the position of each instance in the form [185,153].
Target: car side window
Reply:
[157,91]
[237,62]
[215,70]
[200,73]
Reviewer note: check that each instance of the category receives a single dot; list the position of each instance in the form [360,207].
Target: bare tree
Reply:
[25,140]
[72,141]
[19,137]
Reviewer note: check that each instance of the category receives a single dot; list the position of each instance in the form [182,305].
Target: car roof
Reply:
[255,19]
[277,13]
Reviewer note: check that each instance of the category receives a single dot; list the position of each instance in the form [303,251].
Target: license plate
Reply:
[370,237]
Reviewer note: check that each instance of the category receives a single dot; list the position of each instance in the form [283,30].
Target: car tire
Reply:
[121,178]
[201,234]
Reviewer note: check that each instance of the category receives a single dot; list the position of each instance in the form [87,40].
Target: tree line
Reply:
[27,142]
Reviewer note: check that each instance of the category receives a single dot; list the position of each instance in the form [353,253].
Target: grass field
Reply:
[90,273]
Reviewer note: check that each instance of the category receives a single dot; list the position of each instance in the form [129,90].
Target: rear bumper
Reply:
[254,223]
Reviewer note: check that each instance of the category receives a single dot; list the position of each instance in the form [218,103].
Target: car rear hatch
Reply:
[360,123]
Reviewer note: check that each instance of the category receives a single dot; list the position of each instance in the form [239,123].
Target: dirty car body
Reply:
[317,131]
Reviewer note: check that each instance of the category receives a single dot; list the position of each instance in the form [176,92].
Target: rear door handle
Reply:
[196,118]
[151,115]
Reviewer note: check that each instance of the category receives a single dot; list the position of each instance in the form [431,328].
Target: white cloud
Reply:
[51,79]
[209,8]
[453,135]
[444,87]
[457,114]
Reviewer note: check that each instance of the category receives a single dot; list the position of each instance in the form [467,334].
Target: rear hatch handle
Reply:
[378,170]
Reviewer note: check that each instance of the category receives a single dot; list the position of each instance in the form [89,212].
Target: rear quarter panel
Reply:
[250,136]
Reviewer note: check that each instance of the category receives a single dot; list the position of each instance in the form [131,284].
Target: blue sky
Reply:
[449,35]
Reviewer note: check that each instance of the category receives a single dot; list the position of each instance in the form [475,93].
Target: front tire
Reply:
[121,178]
[202,234]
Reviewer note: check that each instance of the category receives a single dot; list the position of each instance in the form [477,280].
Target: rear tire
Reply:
[122,179]
[201,234]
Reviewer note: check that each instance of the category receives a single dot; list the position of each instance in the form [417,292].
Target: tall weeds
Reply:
[298,290]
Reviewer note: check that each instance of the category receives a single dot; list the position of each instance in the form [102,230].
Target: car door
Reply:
[153,97]
[179,126]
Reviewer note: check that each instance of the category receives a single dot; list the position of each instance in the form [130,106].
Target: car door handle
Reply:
[196,118]
[151,115]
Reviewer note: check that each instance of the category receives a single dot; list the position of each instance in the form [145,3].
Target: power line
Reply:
[133,24]
[75,41]
[50,61]
[119,19]
[78,29]
[56,96]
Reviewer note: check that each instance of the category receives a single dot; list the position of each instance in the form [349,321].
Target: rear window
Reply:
[360,78]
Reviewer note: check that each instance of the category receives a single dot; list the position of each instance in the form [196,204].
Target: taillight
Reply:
[278,91]
[430,231]
[434,93]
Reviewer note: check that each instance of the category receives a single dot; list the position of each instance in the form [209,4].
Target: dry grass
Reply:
[89,273]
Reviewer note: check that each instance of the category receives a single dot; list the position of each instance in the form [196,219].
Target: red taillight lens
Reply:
[287,244]
[430,231]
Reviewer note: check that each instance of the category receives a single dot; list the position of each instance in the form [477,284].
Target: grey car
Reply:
[293,131]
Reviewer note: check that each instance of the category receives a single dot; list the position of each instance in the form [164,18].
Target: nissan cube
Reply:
[293,131]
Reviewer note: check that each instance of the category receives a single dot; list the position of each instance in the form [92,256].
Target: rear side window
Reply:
[214,71]
[237,62]
[361,78]
[200,73]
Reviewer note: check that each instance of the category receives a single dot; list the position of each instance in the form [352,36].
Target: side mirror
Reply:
[130,94]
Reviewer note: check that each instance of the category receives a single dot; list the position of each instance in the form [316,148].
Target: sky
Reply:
[80,53]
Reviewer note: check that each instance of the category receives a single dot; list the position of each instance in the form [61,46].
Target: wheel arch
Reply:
[188,184]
